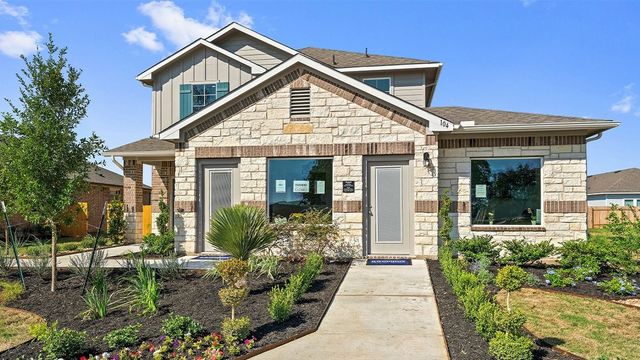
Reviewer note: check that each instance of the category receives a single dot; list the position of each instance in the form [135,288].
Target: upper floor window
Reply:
[382,84]
[194,97]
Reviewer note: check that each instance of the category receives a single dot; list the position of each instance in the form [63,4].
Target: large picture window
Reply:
[506,192]
[297,185]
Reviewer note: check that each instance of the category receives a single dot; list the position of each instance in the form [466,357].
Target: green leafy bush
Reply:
[472,298]
[117,224]
[521,252]
[444,218]
[162,221]
[265,265]
[280,304]
[124,337]
[88,241]
[312,268]
[178,326]
[511,278]
[10,291]
[559,278]
[506,346]
[599,253]
[234,331]
[481,268]
[619,286]
[158,244]
[233,271]
[70,246]
[232,297]
[59,343]
[297,285]
[477,247]
[492,319]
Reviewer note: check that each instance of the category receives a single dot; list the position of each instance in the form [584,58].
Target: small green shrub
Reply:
[234,331]
[117,224]
[521,252]
[506,346]
[87,241]
[265,265]
[477,247]
[178,326]
[297,286]
[280,304]
[124,337]
[70,246]
[481,268]
[232,297]
[312,268]
[59,343]
[144,289]
[233,271]
[158,244]
[559,278]
[511,278]
[162,221]
[472,299]
[10,291]
[492,318]
[97,299]
[619,285]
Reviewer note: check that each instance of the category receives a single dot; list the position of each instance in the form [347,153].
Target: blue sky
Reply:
[578,58]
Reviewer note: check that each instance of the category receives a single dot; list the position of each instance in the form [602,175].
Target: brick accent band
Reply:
[347,206]
[432,140]
[426,206]
[511,141]
[460,207]
[494,228]
[262,204]
[185,206]
[396,148]
[565,207]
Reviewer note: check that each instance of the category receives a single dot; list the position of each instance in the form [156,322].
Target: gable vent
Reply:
[300,102]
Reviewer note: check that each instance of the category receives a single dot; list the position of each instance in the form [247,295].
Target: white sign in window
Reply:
[481,191]
[300,186]
[281,186]
[320,187]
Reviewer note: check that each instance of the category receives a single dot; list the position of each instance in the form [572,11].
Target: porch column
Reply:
[133,199]
[162,177]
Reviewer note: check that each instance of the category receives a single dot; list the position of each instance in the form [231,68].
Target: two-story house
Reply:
[241,118]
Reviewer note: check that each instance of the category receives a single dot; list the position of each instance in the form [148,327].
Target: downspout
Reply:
[113,159]
[594,138]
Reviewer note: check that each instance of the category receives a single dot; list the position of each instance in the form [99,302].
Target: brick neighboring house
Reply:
[241,118]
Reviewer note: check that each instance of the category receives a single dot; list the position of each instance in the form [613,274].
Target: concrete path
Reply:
[379,312]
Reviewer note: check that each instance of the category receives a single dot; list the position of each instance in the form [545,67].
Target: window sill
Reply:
[508,228]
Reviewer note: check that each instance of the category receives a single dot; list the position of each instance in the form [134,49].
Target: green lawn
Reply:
[586,327]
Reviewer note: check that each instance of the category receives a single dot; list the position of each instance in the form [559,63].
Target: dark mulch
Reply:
[462,340]
[191,295]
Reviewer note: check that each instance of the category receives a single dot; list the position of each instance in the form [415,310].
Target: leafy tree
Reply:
[117,226]
[162,221]
[45,162]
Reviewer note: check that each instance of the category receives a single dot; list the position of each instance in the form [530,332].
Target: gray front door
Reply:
[389,222]
[221,189]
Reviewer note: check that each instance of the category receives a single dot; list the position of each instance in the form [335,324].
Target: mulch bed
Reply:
[191,295]
[462,340]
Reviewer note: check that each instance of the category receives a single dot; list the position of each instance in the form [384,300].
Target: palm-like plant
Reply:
[240,231]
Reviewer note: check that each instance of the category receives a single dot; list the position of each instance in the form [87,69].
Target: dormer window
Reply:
[194,97]
[382,84]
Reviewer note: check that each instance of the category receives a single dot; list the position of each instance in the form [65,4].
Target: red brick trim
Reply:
[426,206]
[432,140]
[347,206]
[262,204]
[184,206]
[565,207]
[509,228]
[460,207]
[396,148]
[511,141]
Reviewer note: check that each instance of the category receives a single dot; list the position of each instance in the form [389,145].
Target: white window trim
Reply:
[391,87]
[633,201]
[542,210]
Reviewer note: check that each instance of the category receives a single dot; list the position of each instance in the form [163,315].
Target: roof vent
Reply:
[300,103]
[333,59]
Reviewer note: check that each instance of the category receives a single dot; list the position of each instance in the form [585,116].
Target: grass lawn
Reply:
[586,327]
[14,325]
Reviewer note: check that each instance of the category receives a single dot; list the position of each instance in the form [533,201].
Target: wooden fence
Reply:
[80,224]
[597,215]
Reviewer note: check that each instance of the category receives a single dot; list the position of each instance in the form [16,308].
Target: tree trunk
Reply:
[54,258]
[508,304]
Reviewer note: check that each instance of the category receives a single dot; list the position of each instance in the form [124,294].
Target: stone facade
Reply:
[564,176]
[339,127]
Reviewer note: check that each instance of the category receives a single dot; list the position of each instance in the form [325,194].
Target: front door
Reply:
[220,190]
[389,210]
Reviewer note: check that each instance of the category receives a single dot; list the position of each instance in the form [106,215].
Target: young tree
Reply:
[46,163]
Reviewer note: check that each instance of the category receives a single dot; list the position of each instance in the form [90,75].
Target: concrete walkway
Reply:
[379,312]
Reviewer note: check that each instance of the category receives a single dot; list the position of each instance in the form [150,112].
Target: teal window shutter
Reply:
[186,101]
[222,89]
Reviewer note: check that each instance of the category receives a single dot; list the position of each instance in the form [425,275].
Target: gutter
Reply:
[113,159]
[594,138]
[470,127]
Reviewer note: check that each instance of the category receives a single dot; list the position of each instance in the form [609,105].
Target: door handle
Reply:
[370,211]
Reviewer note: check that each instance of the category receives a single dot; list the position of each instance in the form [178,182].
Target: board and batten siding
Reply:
[408,86]
[202,65]
[253,50]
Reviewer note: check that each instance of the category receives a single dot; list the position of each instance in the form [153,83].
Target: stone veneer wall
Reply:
[564,177]
[336,118]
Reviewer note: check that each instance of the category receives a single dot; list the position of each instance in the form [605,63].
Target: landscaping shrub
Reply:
[619,285]
[444,217]
[88,241]
[511,278]
[492,318]
[481,268]
[313,231]
[232,297]
[124,337]
[117,224]
[162,221]
[472,298]
[178,326]
[97,298]
[143,290]
[599,253]
[172,267]
[240,231]
[477,247]
[265,265]
[10,291]
[162,244]
[559,278]
[70,246]
[280,303]
[297,286]
[59,343]
[521,252]
[233,272]
[506,346]
[312,268]
[234,331]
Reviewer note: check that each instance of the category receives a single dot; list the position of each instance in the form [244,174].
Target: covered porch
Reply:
[160,155]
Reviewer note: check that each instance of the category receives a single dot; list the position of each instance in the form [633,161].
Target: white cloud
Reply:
[170,20]
[16,43]
[144,38]
[627,103]
[17,12]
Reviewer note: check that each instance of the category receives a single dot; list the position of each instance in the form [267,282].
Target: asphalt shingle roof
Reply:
[356,59]
[616,182]
[100,175]
[457,114]
[146,144]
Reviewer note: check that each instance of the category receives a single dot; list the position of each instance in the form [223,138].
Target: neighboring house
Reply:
[621,187]
[241,118]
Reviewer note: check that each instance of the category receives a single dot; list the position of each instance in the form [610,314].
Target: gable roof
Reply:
[486,120]
[234,26]
[145,76]
[349,59]
[435,123]
[102,176]
[146,146]
[615,182]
